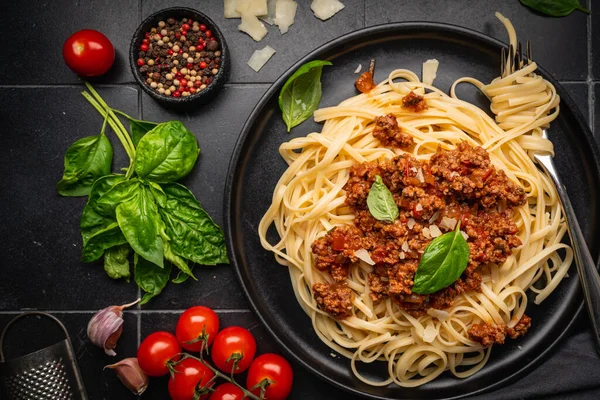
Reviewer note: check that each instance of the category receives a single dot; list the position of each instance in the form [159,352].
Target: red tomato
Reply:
[192,323]
[276,370]
[190,374]
[233,343]
[155,351]
[227,391]
[88,53]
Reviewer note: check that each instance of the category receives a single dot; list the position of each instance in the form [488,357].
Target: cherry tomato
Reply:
[227,391]
[233,343]
[189,374]
[194,322]
[88,53]
[277,374]
[155,351]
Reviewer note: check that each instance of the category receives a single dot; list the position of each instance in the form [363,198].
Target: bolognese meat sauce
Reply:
[432,196]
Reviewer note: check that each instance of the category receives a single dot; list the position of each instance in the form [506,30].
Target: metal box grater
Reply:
[50,373]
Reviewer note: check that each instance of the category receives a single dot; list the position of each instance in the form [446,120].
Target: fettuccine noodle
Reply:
[309,200]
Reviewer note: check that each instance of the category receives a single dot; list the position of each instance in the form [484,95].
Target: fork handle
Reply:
[586,268]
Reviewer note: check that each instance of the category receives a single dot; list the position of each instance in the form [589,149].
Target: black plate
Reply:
[256,166]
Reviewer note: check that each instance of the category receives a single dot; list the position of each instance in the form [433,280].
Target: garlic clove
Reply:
[131,375]
[106,326]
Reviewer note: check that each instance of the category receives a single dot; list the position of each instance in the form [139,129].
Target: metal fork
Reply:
[586,268]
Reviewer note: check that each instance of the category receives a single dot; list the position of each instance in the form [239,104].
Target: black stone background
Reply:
[42,113]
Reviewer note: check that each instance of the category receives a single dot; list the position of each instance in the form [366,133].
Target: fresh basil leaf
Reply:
[85,161]
[555,8]
[94,217]
[442,263]
[139,128]
[301,93]
[116,262]
[381,202]
[122,191]
[193,234]
[181,277]
[151,278]
[166,153]
[102,239]
[176,260]
[140,223]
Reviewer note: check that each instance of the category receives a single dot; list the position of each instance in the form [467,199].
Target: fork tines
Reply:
[512,60]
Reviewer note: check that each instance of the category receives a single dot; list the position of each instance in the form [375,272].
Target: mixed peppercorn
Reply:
[179,57]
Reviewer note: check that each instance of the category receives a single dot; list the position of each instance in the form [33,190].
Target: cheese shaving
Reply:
[260,57]
[358,69]
[270,17]
[430,68]
[439,314]
[253,27]
[464,235]
[429,334]
[325,9]
[364,255]
[229,9]
[434,231]
[254,7]
[285,12]
[448,223]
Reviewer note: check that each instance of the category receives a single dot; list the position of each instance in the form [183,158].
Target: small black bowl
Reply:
[202,97]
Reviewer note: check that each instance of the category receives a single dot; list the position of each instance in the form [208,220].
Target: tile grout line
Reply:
[590,77]
[365,13]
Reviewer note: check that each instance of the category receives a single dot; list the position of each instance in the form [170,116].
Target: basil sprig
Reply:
[381,202]
[442,263]
[555,8]
[144,210]
[301,93]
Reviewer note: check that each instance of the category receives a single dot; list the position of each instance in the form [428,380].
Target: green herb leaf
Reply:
[166,153]
[381,202]
[555,8]
[139,128]
[100,240]
[181,277]
[301,93]
[193,234]
[443,262]
[151,278]
[116,262]
[85,161]
[122,191]
[176,260]
[140,223]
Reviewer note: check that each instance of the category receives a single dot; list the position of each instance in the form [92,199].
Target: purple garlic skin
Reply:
[130,373]
[106,326]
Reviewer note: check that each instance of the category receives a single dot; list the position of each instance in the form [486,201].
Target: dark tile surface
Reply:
[304,35]
[34,333]
[40,263]
[566,57]
[43,27]
[305,385]
[217,128]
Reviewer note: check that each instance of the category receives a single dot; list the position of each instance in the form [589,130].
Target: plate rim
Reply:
[387,28]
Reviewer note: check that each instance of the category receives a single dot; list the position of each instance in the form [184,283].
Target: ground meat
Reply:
[414,102]
[459,185]
[488,334]
[389,133]
[521,328]
[336,299]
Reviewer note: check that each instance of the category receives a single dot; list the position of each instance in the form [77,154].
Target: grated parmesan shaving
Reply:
[260,57]
[420,176]
[253,27]
[364,255]
[325,9]
[464,235]
[229,9]
[405,246]
[426,233]
[270,16]
[285,12]
[357,70]
[448,223]
[411,223]
[402,255]
[430,68]
[434,217]
[419,207]
[429,334]
[434,231]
